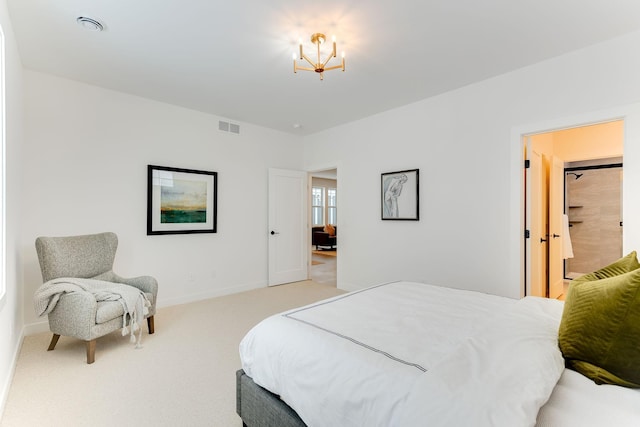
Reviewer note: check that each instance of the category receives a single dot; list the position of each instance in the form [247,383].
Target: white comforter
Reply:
[579,402]
[410,354]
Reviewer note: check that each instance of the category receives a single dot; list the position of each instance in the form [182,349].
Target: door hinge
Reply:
[527,164]
[527,234]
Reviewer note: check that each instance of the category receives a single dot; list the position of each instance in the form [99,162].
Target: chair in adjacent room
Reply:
[79,314]
[322,237]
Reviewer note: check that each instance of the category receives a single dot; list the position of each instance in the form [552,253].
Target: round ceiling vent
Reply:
[89,24]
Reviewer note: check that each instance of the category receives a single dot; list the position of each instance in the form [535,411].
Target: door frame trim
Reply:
[630,114]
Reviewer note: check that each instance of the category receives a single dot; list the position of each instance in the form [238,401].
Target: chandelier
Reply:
[319,66]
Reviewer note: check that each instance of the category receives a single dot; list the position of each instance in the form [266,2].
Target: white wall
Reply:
[87,151]
[11,313]
[466,144]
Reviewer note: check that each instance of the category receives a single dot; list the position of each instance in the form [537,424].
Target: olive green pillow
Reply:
[621,266]
[599,333]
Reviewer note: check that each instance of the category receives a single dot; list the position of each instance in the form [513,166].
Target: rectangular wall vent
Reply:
[228,127]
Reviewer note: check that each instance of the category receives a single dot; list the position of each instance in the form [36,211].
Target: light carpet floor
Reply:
[183,376]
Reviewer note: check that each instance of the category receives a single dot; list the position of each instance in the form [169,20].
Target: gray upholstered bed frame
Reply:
[260,408]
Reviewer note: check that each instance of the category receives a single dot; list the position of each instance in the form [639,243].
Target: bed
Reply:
[411,354]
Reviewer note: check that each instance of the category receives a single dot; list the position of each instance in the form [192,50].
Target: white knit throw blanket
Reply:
[134,302]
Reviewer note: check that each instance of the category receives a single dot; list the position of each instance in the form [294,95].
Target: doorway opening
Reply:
[554,209]
[323,227]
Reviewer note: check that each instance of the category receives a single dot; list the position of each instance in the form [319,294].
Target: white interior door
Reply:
[288,246]
[556,203]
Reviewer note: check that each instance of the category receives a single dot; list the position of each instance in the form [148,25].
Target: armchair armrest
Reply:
[144,283]
[74,315]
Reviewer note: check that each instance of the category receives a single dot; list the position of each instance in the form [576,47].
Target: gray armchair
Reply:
[78,314]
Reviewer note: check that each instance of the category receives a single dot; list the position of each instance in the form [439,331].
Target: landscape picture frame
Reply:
[400,195]
[181,201]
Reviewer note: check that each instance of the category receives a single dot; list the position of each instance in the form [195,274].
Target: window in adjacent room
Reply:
[317,205]
[332,210]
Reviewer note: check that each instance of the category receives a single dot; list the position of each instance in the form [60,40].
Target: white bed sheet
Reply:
[370,357]
[579,402]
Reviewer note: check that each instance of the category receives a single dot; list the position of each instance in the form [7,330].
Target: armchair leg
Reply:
[91,351]
[54,341]
[150,325]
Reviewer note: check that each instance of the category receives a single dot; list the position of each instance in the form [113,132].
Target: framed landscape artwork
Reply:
[181,201]
[399,195]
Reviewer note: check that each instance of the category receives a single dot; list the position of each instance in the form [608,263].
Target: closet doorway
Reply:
[551,218]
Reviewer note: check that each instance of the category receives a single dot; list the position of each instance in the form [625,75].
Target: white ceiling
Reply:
[233,58]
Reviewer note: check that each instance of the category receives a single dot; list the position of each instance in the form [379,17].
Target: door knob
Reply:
[555,235]
[274,232]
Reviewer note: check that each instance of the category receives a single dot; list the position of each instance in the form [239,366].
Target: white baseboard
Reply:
[4,393]
[35,328]
[185,299]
